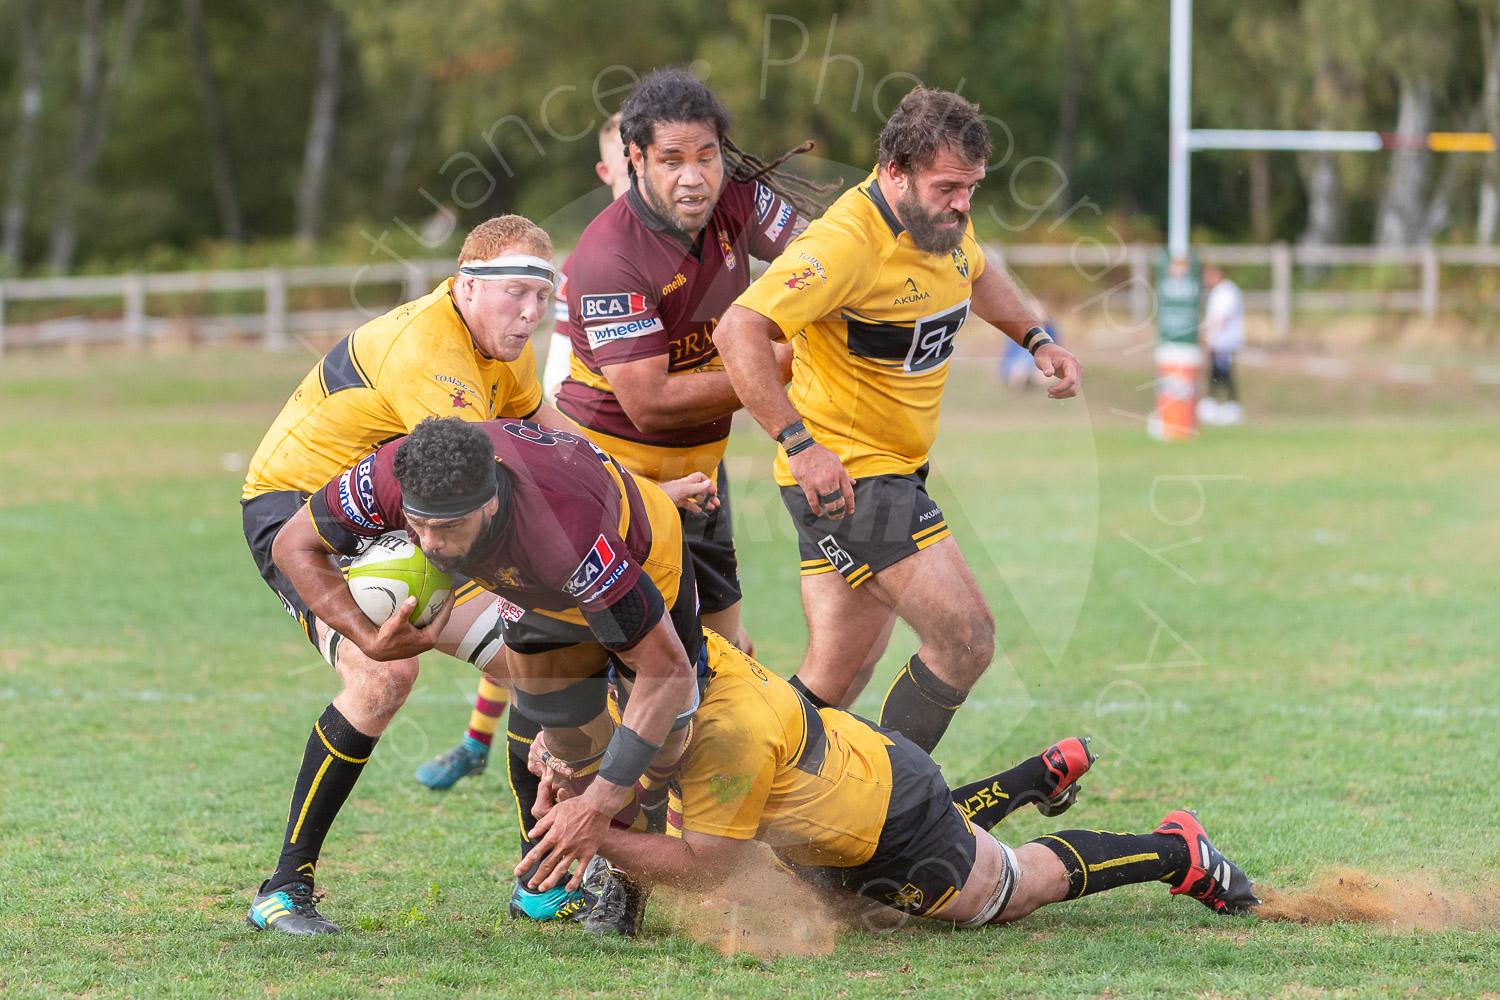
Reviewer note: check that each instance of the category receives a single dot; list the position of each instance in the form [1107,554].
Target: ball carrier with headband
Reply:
[589,566]
[463,349]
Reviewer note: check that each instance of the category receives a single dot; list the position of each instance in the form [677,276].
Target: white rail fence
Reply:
[1119,278]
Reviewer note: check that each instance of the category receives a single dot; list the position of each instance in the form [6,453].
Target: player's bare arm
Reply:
[998,303]
[696,861]
[747,342]
[575,828]
[303,556]
[656,401]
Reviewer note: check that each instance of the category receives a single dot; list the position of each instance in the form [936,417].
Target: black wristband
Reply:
[789,430]
[794,438]
[801,445]
[1035,339]
[626,757]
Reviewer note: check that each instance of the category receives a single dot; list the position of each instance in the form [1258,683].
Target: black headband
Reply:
[451,506]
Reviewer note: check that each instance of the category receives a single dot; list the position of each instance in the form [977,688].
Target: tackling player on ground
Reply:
[851,806]
[872,297]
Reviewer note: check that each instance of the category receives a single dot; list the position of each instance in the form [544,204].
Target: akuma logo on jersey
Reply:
[910,294]
[600,558]
[614,306]
[728,249]
[775,229]
[764,199]
[622,331]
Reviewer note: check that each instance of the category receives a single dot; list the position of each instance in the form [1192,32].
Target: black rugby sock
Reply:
[817,702]
[1097,861]
[988,801]
[520,733]
[336,753]
[920,705]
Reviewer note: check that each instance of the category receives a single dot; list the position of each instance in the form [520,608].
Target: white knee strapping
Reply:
[1004,886]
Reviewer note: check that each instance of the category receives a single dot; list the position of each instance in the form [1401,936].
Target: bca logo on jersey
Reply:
[591,569]
[615,306]
[764,199]
[353,508]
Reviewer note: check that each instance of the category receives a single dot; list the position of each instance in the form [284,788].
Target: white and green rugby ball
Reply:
[389,571]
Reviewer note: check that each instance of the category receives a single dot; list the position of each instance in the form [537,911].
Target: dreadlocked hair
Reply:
[804,195]
[675,95]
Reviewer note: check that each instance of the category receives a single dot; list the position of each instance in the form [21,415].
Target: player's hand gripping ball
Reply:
[391,570]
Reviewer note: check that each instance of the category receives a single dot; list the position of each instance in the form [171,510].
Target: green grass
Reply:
[1308,660]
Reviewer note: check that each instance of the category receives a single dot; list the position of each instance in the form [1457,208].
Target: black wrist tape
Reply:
[626,757]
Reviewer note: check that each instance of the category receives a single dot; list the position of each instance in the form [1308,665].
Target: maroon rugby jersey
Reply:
[576,533]
[638,288]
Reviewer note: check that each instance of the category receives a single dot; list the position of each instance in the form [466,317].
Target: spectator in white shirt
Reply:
[1222,333]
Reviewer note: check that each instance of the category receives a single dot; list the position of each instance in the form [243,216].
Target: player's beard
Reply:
[455,564]
[666,211]
[926,230]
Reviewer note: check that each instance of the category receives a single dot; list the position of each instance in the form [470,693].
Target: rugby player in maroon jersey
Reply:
[650,278]
[592,573]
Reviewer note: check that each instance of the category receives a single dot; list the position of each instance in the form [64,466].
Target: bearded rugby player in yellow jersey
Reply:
[872,297]
[462,350]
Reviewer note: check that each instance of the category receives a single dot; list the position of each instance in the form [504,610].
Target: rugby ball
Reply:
[389,571]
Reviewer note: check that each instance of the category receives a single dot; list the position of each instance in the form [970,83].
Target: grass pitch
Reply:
[1288,626]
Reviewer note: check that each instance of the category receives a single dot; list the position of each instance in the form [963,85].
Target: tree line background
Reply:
[149,134]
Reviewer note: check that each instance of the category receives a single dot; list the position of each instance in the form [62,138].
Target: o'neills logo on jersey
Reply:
[961,262]
[911,295]
[678,280]
[616,306]
[724,245]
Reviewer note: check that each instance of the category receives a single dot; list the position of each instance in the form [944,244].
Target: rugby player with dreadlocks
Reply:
[648,283]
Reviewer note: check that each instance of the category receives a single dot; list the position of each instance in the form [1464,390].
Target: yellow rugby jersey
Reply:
[764,765]
[872,320]
[378,383]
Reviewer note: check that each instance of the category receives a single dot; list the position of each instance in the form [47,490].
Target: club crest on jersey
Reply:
[908,898]
[617,305]
[775,229]
[764,199]
[600,557]
[459,402]
[724,245]
[508,576]
[961,262]
[622,331]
